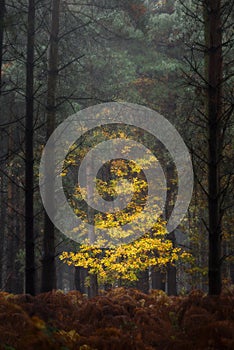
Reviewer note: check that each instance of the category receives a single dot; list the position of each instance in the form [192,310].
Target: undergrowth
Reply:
[121,319]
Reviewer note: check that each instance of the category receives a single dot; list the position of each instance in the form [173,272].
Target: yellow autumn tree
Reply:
[149,248]
[125,261]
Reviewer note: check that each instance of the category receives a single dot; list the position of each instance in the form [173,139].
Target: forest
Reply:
[116,174]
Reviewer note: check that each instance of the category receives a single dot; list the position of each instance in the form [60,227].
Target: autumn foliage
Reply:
[119,319]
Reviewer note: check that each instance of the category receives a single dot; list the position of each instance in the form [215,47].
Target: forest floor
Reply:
[121,319]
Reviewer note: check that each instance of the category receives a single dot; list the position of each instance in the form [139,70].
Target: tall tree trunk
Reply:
[2,231]
[171,280]
[213,64]
[2,15]
[79,278]
[18,239]
[143,281]
[29,156]
[157,280]
[171,269]
[10,229]
[93,285]
[48,261]
[232,273]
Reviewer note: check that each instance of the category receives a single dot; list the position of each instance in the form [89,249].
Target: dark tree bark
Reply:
[77,278]
[158,280]
[2,232]
[214,77]
[10,237]
[48,260]
[93,286]
[171,195]
[232,273]
[80,275]
[143,281]
[29,156]
[171,280]
[2,15]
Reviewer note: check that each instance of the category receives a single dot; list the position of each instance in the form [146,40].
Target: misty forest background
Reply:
[59,57]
